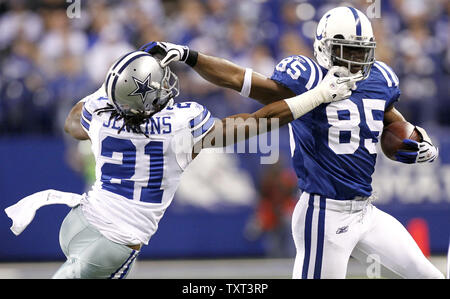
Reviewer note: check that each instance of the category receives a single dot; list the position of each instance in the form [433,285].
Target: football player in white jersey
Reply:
[333,147]
[142,142]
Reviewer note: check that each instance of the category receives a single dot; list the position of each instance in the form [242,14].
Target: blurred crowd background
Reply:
[49,61]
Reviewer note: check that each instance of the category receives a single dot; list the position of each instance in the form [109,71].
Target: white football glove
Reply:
[171,52]
[338,84]
[330,89]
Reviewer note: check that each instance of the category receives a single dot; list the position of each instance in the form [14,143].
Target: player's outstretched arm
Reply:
[419,152]
[73,126]
[239,127]
[222,72]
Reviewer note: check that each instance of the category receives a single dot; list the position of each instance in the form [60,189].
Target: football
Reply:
[393,135]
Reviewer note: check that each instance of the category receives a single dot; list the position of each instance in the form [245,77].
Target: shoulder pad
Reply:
[388,74]
[95,100]
[194,117]
[298,73]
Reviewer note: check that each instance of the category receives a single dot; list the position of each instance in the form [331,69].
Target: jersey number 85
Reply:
[344,116]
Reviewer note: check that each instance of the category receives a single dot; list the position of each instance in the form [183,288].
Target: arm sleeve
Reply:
[86,118]
[391,80]
[90,104]
[195,122]
[395,95]
[201,123]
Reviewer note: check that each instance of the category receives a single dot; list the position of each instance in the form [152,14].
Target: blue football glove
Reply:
[419,152]
[170,52]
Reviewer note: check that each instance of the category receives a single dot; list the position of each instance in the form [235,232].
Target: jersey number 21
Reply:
[116,178]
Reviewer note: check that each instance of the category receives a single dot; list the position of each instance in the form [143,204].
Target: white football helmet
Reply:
[344,37]
[137,84]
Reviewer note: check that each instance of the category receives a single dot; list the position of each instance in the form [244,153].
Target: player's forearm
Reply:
[224,73]
[239,127]
[220,71]
[262,121]
[277,110]
[391,115]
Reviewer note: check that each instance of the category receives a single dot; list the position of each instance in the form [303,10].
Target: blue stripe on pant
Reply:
[309,238]
[308,224]
[126,264]
[320,238]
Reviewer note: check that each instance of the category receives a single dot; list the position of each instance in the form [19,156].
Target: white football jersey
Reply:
[137,176]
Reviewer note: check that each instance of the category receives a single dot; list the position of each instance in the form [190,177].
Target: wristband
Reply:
[191,60]
[304,103]
[247,85]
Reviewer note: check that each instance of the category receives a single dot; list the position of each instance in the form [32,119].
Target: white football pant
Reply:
[327,232]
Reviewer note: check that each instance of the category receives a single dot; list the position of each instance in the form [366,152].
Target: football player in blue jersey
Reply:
[333,147]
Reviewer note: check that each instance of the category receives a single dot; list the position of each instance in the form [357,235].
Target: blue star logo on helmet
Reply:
[142,88]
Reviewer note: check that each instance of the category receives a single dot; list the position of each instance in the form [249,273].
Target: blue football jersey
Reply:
[334,146]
